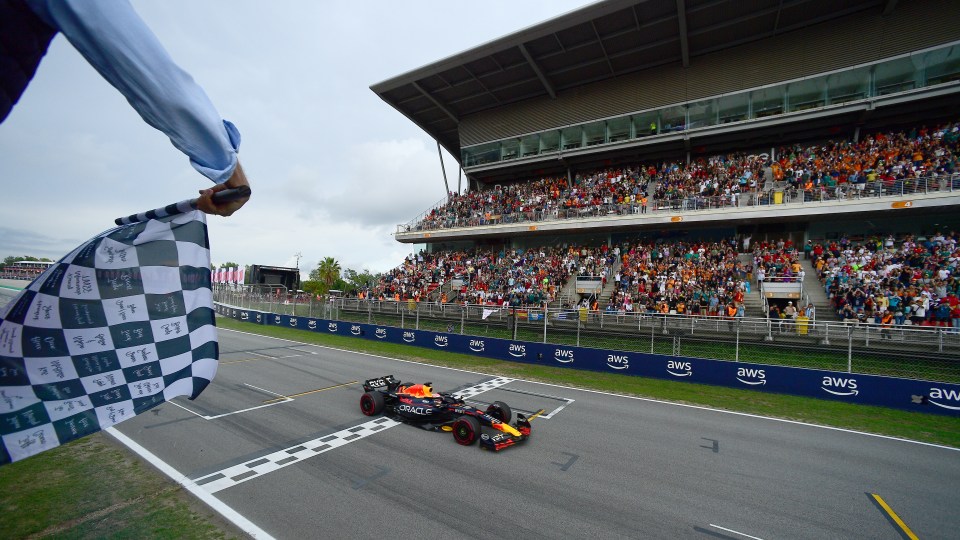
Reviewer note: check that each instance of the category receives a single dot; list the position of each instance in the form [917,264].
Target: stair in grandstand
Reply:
[815,293]
[609,287]
[433,292]
[436,290]
[567,296]
[752,301]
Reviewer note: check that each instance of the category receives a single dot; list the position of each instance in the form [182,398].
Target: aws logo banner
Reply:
[312,324]
[945,398]
[840,385]
[752,376]
[380,333]
[618,361]
[517,350]
[564,356]
[680,368]
[477,345]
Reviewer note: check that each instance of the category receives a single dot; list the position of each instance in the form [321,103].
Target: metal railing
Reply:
[780,196]
[927,353]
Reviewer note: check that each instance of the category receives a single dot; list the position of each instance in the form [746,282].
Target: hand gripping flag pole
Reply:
[183,207]
[120,325]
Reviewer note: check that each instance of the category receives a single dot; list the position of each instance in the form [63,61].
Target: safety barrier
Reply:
[906,394]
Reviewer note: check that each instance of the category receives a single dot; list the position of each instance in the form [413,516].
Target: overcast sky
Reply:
[333,168]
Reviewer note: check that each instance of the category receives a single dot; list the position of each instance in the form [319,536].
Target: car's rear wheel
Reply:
[501,411]
[371,403]
[466,430]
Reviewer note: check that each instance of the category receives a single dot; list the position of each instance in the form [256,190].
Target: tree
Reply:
[327,273]
[312,287]
[10,259]
[360,280]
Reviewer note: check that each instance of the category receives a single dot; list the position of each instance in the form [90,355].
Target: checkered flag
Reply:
[118,326]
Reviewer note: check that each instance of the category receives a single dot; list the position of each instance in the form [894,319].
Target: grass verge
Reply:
[94,488]
[929,428]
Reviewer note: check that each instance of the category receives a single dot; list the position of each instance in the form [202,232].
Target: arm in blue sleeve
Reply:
[119,45]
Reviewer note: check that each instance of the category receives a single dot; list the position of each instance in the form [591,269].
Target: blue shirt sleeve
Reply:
[119,45]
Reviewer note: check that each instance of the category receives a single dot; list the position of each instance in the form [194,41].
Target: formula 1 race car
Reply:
[418,405]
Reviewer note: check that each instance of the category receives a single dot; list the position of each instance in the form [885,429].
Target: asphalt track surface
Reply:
[279,437]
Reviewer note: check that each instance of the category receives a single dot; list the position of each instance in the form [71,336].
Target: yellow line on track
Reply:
[242,361]
[291,396]
[893,515]
[536,414]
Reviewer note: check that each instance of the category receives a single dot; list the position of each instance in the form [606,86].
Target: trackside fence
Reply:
[921,353]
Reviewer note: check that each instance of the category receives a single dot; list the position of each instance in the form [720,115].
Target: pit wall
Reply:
[905,394]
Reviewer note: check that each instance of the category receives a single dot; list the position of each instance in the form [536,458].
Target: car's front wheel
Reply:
[371,403]
[501,411]
[466,430]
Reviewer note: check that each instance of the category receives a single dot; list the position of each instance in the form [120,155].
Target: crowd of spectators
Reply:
[514,277]
[893,162]
[886,281]
[777,260]
[690,278]
[893,281]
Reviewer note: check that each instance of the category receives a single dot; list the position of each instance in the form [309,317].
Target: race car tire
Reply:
[371,403]
[501,411]
[466,430]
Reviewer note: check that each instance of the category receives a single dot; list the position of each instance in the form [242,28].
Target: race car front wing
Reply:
[506,439]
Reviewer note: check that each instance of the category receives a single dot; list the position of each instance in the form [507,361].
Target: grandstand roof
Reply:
[598,42]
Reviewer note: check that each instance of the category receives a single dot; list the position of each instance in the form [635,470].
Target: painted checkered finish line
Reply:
[254,468]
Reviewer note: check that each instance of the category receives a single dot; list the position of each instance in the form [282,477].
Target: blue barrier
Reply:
[906,394]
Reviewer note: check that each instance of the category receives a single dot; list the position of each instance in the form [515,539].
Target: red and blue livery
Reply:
[419,405]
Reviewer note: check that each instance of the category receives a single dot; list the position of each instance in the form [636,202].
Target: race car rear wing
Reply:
[383,384]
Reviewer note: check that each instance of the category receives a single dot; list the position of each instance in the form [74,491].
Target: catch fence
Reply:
[923,353]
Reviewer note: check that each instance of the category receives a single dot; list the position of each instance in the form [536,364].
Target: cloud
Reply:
[386,183]
[333,168]
[18,242]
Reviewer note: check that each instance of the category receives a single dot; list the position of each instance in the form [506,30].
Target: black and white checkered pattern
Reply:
[118,326]
[485,386]
[181,207]
[277,460]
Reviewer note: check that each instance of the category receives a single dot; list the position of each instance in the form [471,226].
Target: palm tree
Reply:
[327,273]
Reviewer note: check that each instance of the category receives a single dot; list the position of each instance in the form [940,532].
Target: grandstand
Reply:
[659,155]
[28,270]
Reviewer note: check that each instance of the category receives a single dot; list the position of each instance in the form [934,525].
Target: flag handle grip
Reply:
[181,207]
[232,194]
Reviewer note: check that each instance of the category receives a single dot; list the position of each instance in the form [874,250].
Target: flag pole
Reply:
[183,207]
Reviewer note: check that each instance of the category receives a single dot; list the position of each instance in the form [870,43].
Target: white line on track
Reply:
[734,532]
[284,400]
[555,411]
[216,504]
[649,400]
